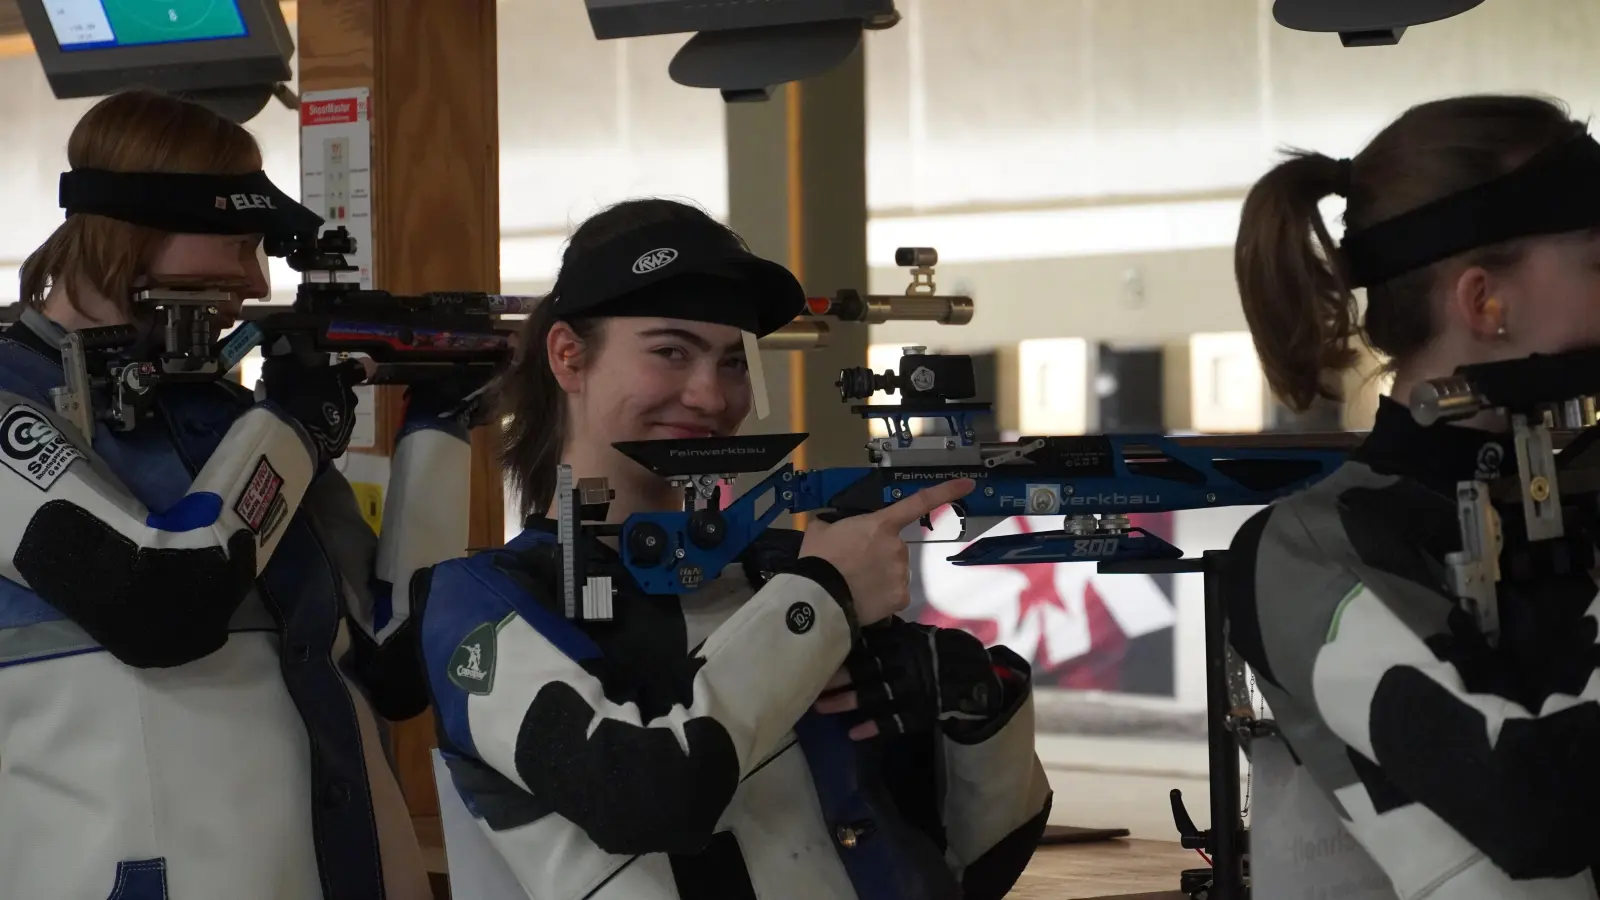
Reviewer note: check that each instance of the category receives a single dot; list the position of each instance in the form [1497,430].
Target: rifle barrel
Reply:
[1319,440]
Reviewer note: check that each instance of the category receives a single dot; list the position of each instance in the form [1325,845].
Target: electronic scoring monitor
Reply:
[745,48]
[230,52]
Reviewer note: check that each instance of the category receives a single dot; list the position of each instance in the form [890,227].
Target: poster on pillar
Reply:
[336,183]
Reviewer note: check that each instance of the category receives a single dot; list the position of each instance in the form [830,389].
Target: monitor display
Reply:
[81,25]
[612,19]
[228,54]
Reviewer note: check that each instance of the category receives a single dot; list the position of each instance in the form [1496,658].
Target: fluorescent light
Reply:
[1059,233]
[985,237]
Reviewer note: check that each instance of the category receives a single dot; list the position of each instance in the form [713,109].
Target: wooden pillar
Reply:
[430,67]
[797,192]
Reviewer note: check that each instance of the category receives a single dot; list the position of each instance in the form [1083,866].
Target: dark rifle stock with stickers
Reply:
[406,338]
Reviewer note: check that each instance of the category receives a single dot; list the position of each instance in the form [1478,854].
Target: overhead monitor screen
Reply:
[103,24]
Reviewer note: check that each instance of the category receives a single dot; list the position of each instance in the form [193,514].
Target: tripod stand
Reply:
[1227,841]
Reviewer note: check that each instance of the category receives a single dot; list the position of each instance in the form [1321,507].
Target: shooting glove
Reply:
[462,397]
[321,398]
[909,678]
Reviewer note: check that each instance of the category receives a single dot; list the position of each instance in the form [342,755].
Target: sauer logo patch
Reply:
[472,665]
[33,448]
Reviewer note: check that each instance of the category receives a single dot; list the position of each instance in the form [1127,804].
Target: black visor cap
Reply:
[184,203]
[681,270]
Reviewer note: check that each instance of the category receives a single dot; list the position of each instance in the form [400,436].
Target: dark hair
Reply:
[531,400]
[133,130]
[1297,300]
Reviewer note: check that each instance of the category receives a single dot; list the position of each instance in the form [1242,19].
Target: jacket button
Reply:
[853,834]
[299,653]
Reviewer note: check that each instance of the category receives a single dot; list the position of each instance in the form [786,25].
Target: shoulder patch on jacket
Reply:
[471,667]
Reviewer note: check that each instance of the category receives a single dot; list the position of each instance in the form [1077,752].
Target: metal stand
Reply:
[1226,841]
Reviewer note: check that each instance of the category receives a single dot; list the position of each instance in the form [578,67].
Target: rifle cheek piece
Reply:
[1537,394]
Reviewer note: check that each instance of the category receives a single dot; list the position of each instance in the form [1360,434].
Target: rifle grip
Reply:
[831,516]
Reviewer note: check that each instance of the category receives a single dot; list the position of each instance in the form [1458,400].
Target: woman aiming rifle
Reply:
[196,625]
[1465,767]
[681,750]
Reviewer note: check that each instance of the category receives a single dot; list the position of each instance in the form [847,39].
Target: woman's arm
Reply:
[522,689]
[425,522]
[1395,671]
[997,798]
[155,588]
[956,721]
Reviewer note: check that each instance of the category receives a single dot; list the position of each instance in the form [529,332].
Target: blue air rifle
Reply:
[1095,482]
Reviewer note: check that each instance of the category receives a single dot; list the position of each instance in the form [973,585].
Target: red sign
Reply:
[329,112]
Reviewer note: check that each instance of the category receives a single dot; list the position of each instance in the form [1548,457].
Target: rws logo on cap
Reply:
[654,260]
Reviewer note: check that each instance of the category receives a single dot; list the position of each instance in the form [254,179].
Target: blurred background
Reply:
[1079,165]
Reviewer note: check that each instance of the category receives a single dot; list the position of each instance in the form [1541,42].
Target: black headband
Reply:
[695,271]
[1555,191]
[188,203]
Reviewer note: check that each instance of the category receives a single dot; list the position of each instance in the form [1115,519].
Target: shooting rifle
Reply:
[1550,503]
[408,338]
[1093,481]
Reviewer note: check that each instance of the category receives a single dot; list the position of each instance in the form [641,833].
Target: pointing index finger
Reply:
[926,501]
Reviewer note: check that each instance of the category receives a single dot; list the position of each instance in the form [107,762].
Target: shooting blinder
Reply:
[186,203]
[1555,191]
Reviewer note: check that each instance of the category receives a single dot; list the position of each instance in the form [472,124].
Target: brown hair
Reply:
[130,131]
[1297,300]
[530,398]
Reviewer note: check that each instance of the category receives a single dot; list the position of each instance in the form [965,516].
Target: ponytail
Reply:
[1300,311]
[1291,277]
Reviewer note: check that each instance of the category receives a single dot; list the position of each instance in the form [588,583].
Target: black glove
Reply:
[908,678]
[321,398]
[461,396]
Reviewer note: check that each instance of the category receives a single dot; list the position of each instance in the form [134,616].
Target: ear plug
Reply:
[1492,308]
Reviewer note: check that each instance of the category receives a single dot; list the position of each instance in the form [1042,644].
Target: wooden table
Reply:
[1104,870]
